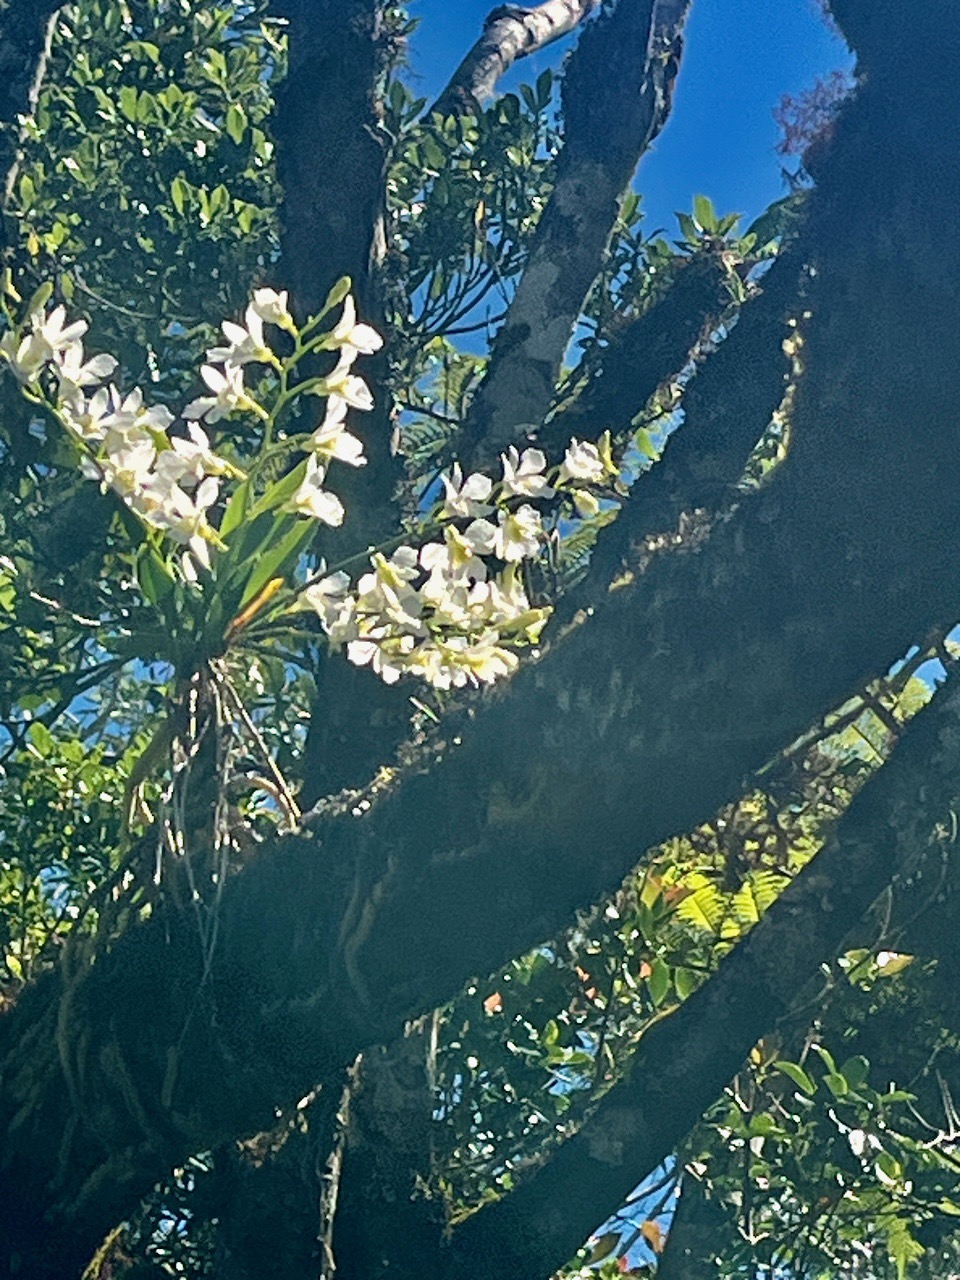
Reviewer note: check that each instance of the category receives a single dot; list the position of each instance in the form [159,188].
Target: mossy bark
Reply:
[637,726]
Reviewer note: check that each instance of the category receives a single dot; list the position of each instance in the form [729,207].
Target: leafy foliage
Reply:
[146,191]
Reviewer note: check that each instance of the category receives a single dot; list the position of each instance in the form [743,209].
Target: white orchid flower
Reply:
[271,306]
[74,373]
[519,534]
[348,386]
[185,517]
[246,342]
[459,555]
[187,462]
[90,418]
[333,605]
[228,394]
[388,657]
[311,499]
[332,439]
[582,462]
[466,498]
[48,336]
[523,475]
[363,339]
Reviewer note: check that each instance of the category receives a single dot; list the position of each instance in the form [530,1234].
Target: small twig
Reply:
[330,1178]
[105,302]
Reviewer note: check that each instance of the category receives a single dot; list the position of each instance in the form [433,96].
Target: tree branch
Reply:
[642,355]
[386,1224]
[26,30]
[692,1239]
[727,408]
[615,99]
[635,727]
[330,151]
[509,34]
[330,162]
[684,1061]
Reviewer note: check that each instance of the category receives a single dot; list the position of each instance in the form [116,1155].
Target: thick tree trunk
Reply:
[330,152]
[331,155]
[683,1062]
[637,726]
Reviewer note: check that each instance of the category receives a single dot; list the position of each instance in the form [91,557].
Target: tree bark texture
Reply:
[387,1224]
[615,99]
[331,153]
[509,33]
[635,727]
[683,1062]
[695,1232]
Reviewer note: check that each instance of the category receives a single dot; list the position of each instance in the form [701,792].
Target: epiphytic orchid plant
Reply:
[448,605]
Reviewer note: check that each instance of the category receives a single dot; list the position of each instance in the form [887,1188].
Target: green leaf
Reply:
[855,1071]
[128,102]
[691,232]
[41,297]
[155,579]
[727,224]
[793,1071]
[219,200]
[704,907]
[179,193]
[236,509]
[544,88]
[902,1247]
[236,122]
[277,559]
[837,1084]
[144,49]
[705,214]
[686,981]
[41,739]
[658,984]
[146,107]
[550,1036]
[278,493]
[826,1057]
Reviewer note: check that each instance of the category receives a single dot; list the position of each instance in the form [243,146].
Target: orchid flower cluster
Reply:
[444,612]
[449,606]
[172,482]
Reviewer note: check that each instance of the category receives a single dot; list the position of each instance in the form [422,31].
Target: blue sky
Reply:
[740,57]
